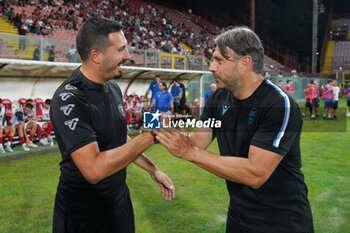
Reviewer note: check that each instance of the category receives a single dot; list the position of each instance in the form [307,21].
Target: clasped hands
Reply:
[176,142]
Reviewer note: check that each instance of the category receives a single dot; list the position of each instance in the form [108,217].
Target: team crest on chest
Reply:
[252,115]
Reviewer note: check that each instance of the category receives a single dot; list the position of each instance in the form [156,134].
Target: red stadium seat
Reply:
[22,102]
[38,102]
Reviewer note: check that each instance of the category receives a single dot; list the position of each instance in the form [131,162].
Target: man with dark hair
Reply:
[18,121]
[258,140]
[328,100]
[176,92]
[289,87]
[183,106]
[129,106]
[280,84]
[52,54]
[90,126]
[44,122]
[163,101]
[308,100]
[31,124]
[336,91]
[315,102]
[153,87]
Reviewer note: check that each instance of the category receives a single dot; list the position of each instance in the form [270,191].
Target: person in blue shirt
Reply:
[154,87]
[209,92]
[176,92]
[163,100]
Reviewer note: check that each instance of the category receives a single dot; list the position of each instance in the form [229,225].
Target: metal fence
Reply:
[47,49]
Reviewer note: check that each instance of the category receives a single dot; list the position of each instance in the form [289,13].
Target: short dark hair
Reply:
[29,105]
[48,101]
[164,84]
[330,81]
[29,100]
[242,41]
[93,34]
[130,96]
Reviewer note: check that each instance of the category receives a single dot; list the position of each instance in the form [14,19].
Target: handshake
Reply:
[176,142]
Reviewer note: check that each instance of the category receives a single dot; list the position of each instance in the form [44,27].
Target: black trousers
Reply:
[117,219]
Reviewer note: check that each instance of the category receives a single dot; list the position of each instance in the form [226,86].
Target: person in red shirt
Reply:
[289,87]
[308,94]
[322,90]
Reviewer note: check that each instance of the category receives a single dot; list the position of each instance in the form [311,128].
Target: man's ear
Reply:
[247,62]
[96,56]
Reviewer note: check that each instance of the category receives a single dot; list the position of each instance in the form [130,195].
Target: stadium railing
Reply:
[65,52]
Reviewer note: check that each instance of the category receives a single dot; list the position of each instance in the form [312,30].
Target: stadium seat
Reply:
[22,102]
[38,102]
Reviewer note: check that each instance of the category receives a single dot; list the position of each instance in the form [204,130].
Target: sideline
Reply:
[41,150]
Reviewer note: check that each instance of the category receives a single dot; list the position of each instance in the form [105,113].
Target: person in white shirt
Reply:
[43,117]
[129,107]
[336,91]
[17,120]
[139,108]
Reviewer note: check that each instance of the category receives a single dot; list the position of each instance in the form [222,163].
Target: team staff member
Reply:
[183,105]
[153,87]
[209,92]
[90,125]
[164,101]
[258,141]
[176,92]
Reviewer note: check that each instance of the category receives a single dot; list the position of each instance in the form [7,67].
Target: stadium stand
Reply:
[341,56]
[149,26]
[337,51]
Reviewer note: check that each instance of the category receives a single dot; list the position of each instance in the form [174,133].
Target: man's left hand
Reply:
[167,187]
[176,142]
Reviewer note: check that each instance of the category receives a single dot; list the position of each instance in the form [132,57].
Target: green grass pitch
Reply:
[28,186]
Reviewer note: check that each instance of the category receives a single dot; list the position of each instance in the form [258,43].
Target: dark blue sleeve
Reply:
[178,90]
[19,116]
